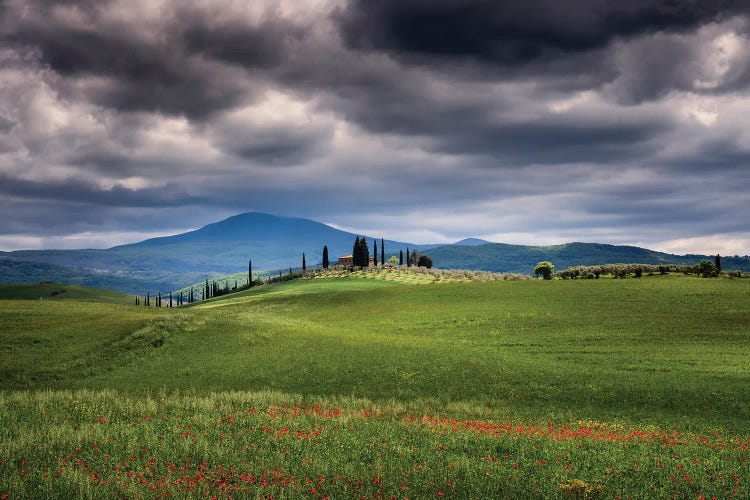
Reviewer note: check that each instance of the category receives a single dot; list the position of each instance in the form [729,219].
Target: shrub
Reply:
[424,261]
[545,269]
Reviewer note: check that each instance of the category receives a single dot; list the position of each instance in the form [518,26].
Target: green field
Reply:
[58,291]
[354,386]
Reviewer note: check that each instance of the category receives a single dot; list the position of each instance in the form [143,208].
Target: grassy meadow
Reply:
[59,291]
[362,385]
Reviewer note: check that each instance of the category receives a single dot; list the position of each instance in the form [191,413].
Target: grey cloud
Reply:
[516,32]
[82,192]
[177,72]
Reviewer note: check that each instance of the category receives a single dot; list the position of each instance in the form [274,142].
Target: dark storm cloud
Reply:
[82,192]
[563,45]
[175,71]
[262,47]
[516,32]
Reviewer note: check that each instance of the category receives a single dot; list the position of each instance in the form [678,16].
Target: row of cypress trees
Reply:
[178,299]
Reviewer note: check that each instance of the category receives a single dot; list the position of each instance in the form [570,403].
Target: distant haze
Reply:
[541,122]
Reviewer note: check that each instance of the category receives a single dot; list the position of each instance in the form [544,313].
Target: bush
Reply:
[424,261]
[707,269]
[545,269]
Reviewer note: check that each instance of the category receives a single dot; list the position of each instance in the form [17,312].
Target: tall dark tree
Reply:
[249,273]
[400,257]
[717,262]
[360,253]
[407,256]
[414,258]
[382,252]
[374,253]
[355,252]
[170,299]
[325,257]
[304,263]
[158,300]
[365,253]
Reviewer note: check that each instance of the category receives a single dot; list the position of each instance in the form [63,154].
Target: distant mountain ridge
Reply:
[274,242]
[471,242]
[502,257]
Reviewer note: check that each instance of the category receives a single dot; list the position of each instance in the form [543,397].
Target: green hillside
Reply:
[498,257]
[349,387]
[58,291]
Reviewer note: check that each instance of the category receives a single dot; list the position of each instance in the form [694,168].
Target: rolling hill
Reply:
[59,291]
[272,242]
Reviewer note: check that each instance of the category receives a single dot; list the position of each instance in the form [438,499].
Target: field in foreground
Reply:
[356,387]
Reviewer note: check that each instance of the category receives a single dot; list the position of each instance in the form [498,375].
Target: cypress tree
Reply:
[717,262]
[170,299]
[374,253]
[382,252]
[249,273]
[304,264]
[356,253]
[400,257]
[158,300]
[146,301]
[325,257]
[365,253]
[407,256]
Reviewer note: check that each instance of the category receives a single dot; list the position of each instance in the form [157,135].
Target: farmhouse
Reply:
[348,261]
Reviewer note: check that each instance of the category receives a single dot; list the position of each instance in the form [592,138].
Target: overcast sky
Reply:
[536,122]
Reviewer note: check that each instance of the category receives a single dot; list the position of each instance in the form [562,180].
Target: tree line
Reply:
[705,269]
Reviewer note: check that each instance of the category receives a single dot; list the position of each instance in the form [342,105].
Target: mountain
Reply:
[272,242]
[500,257]
[471,242]
[171,262]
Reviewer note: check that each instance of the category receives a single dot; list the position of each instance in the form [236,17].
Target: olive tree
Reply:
[545,269]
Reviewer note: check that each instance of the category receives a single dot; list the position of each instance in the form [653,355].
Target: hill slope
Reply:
[500,257]
[59,291]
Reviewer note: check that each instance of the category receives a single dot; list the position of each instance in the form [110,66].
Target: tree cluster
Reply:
[360,253]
